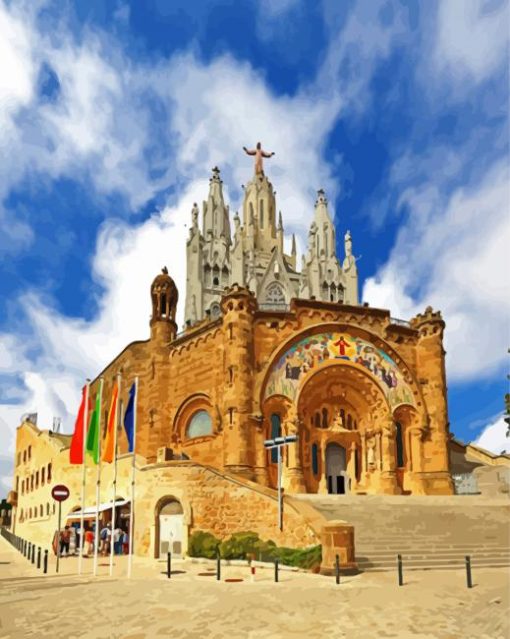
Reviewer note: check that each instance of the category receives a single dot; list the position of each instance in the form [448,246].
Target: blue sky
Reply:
[113,113]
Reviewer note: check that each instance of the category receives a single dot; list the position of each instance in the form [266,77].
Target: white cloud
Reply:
[493,438]
[458,253]
[472,38]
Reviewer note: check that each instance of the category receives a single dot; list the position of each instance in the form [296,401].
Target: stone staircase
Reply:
[430,532]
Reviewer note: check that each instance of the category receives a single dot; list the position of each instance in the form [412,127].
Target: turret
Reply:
[279,233]
[164,297]
[216,213]
[431,374]
[238,307]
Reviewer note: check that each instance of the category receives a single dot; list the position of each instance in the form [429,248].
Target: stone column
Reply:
[293,479]
[323,484]
[260,470]
[388,481]
[351,464]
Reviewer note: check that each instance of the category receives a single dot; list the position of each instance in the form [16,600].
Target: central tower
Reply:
[253,256]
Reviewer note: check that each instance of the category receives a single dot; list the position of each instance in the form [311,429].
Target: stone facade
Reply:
[254,255]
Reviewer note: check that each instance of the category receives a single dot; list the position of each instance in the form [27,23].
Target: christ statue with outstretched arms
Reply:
[259,153]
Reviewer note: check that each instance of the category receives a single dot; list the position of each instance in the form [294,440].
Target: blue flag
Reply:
[129,418]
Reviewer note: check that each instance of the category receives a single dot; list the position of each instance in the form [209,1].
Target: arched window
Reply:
[349,422]
[276,431]
[37,479]
[162,305]
[47,508]
[49,472]
[22,486]
[340,293]
[43,470]
[315,459]
[216,276]
[199,425]
[41,511]
[30,513]
[400,446]
[30,452]
[317,420]
[215,310]
[324,418]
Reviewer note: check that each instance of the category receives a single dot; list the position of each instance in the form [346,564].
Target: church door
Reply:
[170,529]
[335,469]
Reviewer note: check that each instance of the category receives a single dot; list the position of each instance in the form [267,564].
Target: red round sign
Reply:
[60,492]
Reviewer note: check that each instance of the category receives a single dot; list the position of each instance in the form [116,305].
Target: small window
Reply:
[54,507]
[19,459]
[37,479]
[30,452]
[317,420]
[41,511]
[216,281]
[47,509]
[24,456]
[315,460]
[199,425]
[49,472]
[43,471]
[324,418]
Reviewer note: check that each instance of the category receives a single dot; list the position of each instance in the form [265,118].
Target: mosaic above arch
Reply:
[310,352]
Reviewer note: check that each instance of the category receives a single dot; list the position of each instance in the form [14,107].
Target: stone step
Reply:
[428,552]
[429,567]
[400,548]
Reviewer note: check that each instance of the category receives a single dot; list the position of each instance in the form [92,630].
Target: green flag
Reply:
[92,445]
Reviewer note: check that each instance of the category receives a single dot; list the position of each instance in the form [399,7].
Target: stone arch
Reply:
[176,506]
[339,328]
[190,406]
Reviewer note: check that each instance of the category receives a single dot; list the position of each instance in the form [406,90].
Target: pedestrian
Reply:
[65,538]
[125,543]
[117,544]
[104,536]
[89,542]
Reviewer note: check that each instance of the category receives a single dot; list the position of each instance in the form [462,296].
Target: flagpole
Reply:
[98,480]
[114,473]
[82,523]
[133,472]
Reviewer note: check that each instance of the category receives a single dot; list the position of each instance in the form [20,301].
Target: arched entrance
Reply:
[336,467]
[169,528]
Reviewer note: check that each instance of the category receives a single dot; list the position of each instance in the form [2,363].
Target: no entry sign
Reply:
[60,492]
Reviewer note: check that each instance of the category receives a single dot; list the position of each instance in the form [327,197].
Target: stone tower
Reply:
[254,256]
[164,297]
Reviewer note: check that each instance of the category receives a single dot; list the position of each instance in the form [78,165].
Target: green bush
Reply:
[203,544]
[248,545]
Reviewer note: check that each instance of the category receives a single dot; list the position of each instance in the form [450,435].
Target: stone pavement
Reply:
[429,605]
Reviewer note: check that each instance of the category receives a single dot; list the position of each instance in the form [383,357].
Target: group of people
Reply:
[69,540]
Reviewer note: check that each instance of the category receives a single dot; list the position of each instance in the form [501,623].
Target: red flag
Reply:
[76,448]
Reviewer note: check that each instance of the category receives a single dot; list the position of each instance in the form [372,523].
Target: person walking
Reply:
[89,542]
[65,538]
[105,536]
[125,543]
[117,545]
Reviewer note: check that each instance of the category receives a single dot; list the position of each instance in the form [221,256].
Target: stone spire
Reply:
[216,213]
[324,237]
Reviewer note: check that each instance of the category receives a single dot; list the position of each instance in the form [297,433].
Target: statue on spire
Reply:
[259,153]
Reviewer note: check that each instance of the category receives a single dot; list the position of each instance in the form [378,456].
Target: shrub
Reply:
[248,545]
[203,544]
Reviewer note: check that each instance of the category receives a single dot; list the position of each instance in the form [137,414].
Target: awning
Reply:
[91,510]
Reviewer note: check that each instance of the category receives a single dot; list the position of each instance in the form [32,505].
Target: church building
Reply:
[267,350]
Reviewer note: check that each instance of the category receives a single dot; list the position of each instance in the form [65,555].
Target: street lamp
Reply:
[279,443]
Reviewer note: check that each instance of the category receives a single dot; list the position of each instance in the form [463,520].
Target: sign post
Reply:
[59,493]
[279,443]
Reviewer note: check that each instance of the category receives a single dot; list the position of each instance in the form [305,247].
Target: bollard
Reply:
[337,569]
[38,557]
[276,570]
[169,565]
[400,574]
[218,567]
[468,572]
[252,572]
[45,562]
[33,554]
